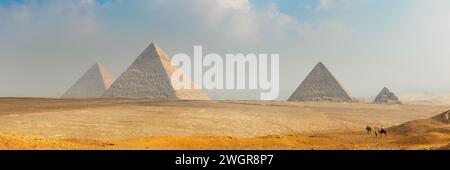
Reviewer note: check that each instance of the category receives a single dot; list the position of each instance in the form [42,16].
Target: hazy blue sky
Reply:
[45,45]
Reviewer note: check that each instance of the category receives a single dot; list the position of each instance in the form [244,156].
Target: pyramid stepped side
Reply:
[386,97]
[92,84]
[182,94]
[149,77]
[320,85]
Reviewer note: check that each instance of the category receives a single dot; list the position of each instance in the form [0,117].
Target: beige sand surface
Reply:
[147,124]
[124,119]
[323,141]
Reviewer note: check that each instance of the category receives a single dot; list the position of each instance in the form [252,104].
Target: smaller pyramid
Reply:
[320,85]
[92,84]
[386,97]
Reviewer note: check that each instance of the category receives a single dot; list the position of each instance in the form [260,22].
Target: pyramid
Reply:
[150,77]
[320,85]
[386,97]
[92,84]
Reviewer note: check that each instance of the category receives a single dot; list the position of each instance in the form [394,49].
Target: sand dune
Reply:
[438,123]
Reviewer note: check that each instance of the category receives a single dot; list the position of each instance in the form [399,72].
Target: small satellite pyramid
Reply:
[386,97]
[92,84]
[150,77]
[320,85]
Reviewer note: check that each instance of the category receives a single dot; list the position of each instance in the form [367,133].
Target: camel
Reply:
[381,132]
[368,129]
[377,131]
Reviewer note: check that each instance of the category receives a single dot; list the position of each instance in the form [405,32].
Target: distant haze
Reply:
[46,45]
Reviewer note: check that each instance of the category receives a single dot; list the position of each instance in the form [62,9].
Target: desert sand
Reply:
[149,124]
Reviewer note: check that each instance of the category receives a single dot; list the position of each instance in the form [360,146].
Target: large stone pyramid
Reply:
[386,97]
[92,84]
[150,77]
[320,85]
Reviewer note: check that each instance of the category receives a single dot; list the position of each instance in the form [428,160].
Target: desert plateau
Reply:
[143,124]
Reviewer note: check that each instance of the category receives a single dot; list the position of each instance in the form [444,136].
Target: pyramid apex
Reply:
[152,50]
[320,64]
[154,45]
[97,65]
[385,89]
